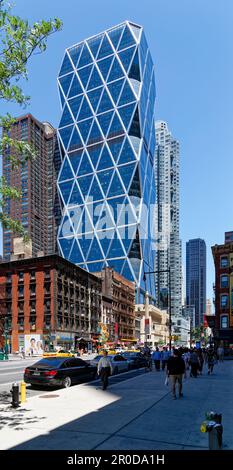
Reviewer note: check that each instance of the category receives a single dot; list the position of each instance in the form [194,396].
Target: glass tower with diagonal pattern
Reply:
[107,143]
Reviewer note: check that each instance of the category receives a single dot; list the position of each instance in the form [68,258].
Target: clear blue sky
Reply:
[191,44]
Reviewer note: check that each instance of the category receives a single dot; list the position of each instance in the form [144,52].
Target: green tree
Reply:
[18,42]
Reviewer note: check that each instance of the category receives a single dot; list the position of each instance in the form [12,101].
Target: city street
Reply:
[136,412]
[12,371]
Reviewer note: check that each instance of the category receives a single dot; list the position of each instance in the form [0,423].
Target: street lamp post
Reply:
[169,298]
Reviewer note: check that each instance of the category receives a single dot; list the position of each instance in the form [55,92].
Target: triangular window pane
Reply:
[95,191]
[65,229]
[105,49]
[84,128]
[127,235]
[115,187]
[66,173]
[84,244]
[127,154]
[75,255]
[116,71]
[135,189]
[127,95]
[105,103]
[126,114]
[136,30]
[105,160]
[85,166]
[126,272]
[66,66]
[61,96]
[85,111]
[115,207]
[75,159]
[115,89]
[135,264]
[75,142]
[94,210]
[94,44]
[75,88]
[115,250]
[105,240]
[74,53]
[65,244]
[95,267]
[135,125]
[105,220]
[94,97]
[85,57]
[116,264]
[65,189]
[104,178]
[115,35]
[94,153]
[65,135]
[135,141]
[134,72]
[84,74]
[65,82]
[95,135]
[104,66]
[84,185]
[127,39]
[126,57]
[75,216]
[116,128]
[126,173]
[115,147]
[136,85]
[104,121]
[95,251]
[66,117]
[95,80]
[75,104]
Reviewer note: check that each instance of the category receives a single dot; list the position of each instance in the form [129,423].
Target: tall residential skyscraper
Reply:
[167,165]
[38,209]
[107,141]
[196,278]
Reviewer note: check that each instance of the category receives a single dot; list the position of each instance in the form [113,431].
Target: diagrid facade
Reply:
[107,142]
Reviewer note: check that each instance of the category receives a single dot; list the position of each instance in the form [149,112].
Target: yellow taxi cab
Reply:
[57,354]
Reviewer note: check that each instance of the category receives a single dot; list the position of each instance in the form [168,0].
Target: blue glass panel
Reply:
[104,121]
[126,272]
[115,250]
[127,153]
[104,178]
[105,240]
[116,264]
[85,111]
[84,184]
[116,71]
[61,97]
[94,210]
[66,172]
[85,166]
[126,57]
[143,157]
[75,88]
[84,243]
[95,191]
[75,255]
[94,97]
[127,234]
[95,267]
[135,264]
[115,207]
[127,39]
[84,74]
[75,142]
[95,80]
[66,117]
[115,147]
[143,44]
[134,72]
[85,57]
[66,229]
[105,49]
[75,104]
[135,125]
[115,187]
[126,114]
[115,35]
[65,244]
[75,199]
[75,158]
[95,135]
[66,66]
[65,189]
[127,95]
[65,82]
[105,103]
[104,66]
[105,160]
[75,217]
[65,134]
[136,30]
[95,251]
[94,44]
[75,53]
[115,89]
[126,173]
[94,153]
[116,128]
[135,189]
[84,128]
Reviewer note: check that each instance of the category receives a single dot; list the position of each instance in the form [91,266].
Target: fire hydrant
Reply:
[15,395]
[213,425]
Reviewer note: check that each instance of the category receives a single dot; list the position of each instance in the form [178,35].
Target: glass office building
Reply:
[107,142]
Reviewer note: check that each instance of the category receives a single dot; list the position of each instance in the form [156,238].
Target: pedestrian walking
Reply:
[165,354]
[211,358]
[156,356]
[194,363]
[175,371]
[200,360]
[104,369]
[220,353]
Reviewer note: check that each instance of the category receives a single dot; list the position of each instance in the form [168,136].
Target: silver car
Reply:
[119,363]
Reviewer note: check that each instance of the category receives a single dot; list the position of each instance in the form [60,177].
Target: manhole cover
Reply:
[49,396]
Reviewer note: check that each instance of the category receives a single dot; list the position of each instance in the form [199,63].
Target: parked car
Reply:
[59,372]
[118,361]
[135,359]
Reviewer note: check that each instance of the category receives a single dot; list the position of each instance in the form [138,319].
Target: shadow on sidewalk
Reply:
[18,419]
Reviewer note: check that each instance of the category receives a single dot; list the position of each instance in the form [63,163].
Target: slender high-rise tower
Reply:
[196,278]
[107,140]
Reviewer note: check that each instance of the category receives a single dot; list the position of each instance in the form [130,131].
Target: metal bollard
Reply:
[213,425]
[15,395]
[23,392]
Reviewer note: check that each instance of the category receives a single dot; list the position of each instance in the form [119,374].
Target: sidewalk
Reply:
[138,413]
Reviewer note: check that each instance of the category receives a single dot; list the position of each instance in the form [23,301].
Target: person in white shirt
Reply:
[104,369]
